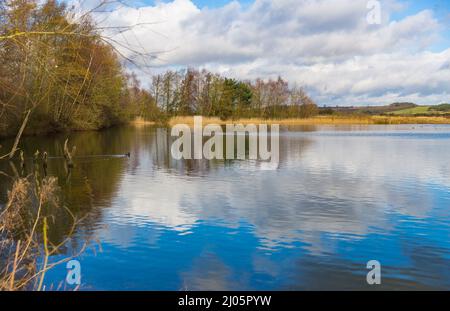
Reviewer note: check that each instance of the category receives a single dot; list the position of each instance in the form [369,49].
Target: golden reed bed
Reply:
[319,120]
[139,121]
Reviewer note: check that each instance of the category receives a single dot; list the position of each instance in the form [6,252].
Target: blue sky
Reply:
[413,5]
[217,3]
[206,3]
[441,9]
[328,47]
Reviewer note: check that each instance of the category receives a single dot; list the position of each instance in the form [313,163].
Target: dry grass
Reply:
[319,120]
[23,231]
[139,121]
[410,120]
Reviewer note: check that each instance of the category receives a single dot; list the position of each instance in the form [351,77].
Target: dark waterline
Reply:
[341,196]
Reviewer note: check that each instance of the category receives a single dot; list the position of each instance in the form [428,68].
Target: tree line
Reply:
[56,65]
[57,71]
[200,92]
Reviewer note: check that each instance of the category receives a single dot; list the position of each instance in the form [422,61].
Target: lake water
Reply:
[341,196]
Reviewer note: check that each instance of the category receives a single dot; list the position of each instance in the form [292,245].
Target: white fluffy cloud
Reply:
[327,46]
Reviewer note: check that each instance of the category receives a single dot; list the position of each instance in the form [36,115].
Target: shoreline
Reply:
[139,121]
[318,120]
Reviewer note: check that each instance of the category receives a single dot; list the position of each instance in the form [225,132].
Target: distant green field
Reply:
[415,110]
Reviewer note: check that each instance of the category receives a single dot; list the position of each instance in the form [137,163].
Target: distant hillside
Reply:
[403,108]
[441,107]
[371,110]
[412,111]
[398,106]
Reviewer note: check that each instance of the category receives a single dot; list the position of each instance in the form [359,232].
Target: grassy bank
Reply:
[437,110]
[413,111]
[139,121]
[320,120]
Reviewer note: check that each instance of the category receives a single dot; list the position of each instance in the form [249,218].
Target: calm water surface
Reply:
[341,196]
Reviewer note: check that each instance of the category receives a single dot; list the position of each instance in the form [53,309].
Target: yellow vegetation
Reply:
[324,120]
[139,121]
[23,229]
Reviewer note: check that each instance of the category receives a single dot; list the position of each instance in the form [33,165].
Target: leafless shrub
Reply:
[23,233]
